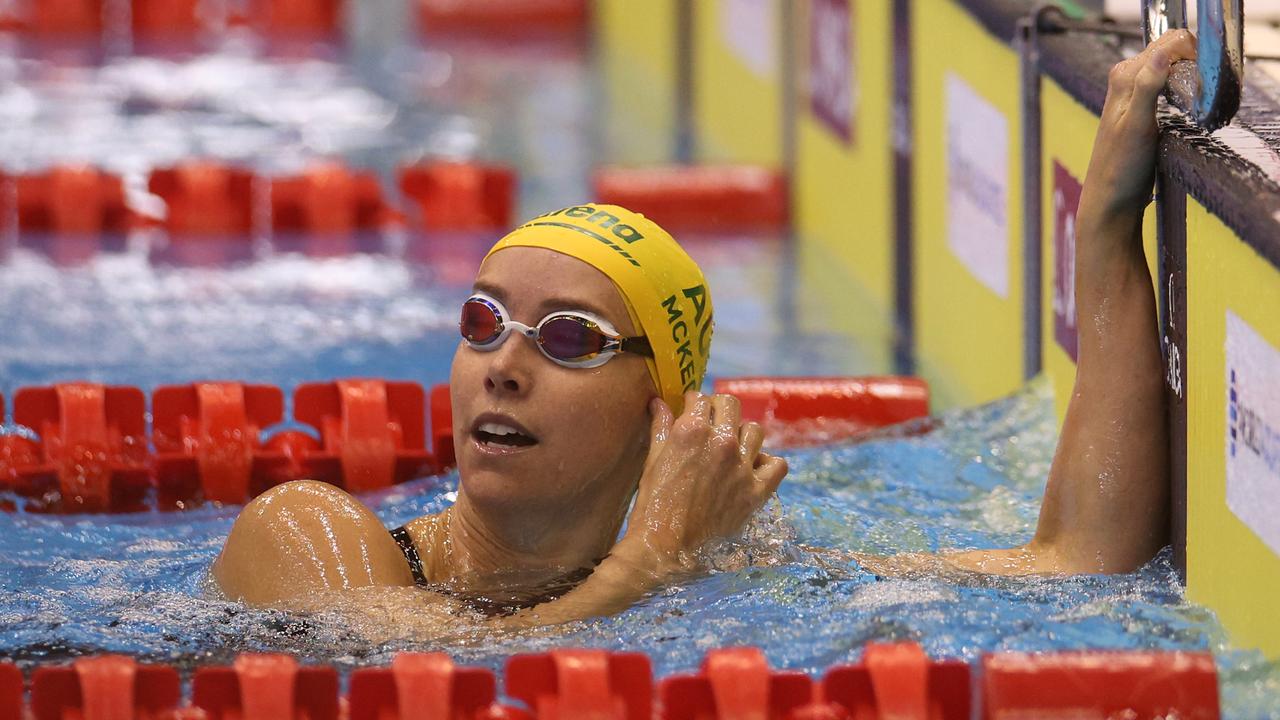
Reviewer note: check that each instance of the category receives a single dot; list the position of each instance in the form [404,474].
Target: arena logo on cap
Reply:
[681,333]
[595,216]
[1253,430]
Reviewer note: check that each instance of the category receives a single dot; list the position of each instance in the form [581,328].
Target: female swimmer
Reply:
[563,425]
[585,334]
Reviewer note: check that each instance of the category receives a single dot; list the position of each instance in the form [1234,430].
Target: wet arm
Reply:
[1106,505]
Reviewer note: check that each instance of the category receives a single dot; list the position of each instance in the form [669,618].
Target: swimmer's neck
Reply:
[466,547]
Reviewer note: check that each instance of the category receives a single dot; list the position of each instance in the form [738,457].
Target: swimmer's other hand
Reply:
[1122,168]
[704,477]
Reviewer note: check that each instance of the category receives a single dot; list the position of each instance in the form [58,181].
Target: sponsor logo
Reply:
[978,185]
[1253,430]
[605,221]
[1249,431]
[1066,202]
[750,29]
[831,70]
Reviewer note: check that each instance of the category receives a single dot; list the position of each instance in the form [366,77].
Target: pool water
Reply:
[137,584]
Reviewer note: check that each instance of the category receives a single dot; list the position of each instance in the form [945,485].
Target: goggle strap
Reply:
[638,345]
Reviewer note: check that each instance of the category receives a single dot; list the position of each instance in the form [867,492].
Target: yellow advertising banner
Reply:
[636,42]
[842,186]
[737,81]
[967,196]
[1233,431]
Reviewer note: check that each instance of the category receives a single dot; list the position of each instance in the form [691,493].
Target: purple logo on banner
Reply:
[831,92]
[1066,201]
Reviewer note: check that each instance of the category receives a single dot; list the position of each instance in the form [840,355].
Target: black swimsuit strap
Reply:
[410,550]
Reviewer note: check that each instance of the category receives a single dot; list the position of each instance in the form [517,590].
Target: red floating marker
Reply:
[6,199]
[699,198]
[1057,686]
[206,436]
[442,440]
[371,432]
[735,683]
[808,409]
[460,196]
[72,200]
[62,18]
[503,18]
[10,692]
[420,686]
[205,198]
[582,684]
[284,18]
[266,687]
[106,687]
[899,681]
[328,198]
[94,445]
[166,18]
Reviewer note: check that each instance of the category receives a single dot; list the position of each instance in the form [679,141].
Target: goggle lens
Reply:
[566,338]
[479,323]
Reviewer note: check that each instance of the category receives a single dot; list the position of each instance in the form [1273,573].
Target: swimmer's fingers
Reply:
[769,474]
[659,430]
[697,408]
[750,441]
[1153,73]
[726,413]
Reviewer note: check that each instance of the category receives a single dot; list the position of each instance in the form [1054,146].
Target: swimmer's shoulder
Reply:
[430,534]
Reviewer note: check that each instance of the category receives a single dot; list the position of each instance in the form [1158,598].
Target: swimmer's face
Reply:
[581,433]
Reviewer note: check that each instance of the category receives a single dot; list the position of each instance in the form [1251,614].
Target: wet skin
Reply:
[1106,506]
[550,498]
[600,435]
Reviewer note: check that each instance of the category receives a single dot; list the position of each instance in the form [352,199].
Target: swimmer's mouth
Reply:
[502,432]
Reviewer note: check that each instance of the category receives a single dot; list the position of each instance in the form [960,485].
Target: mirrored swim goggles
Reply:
[570,338]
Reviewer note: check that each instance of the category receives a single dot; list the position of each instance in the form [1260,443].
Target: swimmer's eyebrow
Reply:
[548,305]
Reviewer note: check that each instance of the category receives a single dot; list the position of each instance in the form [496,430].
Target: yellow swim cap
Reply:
[664,290]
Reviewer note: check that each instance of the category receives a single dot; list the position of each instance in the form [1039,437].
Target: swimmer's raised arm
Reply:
[1106,507]
[704,477]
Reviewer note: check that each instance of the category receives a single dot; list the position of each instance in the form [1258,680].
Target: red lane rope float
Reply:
[804,410]
[459,196]
[503,18]
[59,18]
[442,440]
[266,687]
[287,18]
[896,681]
[205,199]
[207,438]
[372,432]
[734,683]
[420,686]
[209,442]
[1100,684]
[568,684]
[899,680]
[72,200]
[156,19]
[731,198]
[328,199]
[93,448]
[10,692]
[107,687]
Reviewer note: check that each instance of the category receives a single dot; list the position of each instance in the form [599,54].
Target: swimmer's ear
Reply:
[659,429]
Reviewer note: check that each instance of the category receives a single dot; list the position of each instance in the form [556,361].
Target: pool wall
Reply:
[936,153]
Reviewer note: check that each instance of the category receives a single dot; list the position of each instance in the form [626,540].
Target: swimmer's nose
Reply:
[508,371]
